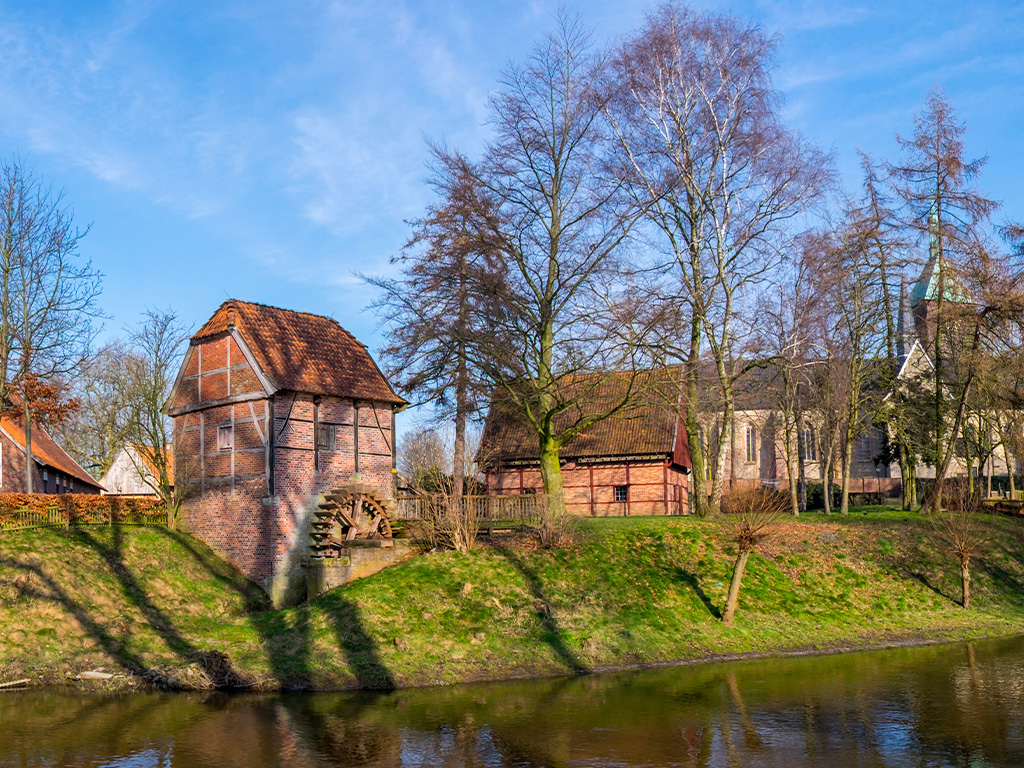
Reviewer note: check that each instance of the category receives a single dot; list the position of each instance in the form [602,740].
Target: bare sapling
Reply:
[751,517]
[963,532]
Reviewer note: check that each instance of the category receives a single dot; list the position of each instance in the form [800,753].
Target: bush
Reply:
[816,494]
[82,508]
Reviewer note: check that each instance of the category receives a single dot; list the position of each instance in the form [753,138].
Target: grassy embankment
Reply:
[636,591]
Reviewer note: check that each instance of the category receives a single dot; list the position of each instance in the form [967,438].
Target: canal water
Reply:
[958,705]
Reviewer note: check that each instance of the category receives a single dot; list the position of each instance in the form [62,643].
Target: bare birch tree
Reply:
[722,181]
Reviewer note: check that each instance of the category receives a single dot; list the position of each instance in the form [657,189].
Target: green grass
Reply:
[631,591]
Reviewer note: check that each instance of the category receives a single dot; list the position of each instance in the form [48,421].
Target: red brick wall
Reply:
[653,487]
[12,474]
[229,506]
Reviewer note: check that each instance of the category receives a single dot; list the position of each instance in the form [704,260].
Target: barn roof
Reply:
[302,352]
[649,425]
[44,448]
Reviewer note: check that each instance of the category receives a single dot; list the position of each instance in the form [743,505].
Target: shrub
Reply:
[816,494]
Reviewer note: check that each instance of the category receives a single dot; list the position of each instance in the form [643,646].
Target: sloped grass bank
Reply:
[151,604]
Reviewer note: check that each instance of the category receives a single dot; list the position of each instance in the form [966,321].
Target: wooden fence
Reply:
[490,511]
[75,509]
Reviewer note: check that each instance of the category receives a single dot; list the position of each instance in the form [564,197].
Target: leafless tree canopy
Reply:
[48,292]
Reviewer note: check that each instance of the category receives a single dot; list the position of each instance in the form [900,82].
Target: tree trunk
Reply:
[844,499]
[907,479]
[698,458]
[792,452]
[965,583]
[826,483]
[1009,472]
[724,444]
[28,446]
[934,502]
[734,587]
[551,474]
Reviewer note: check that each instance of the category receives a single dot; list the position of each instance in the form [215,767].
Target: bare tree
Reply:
[422,458]
[963,532]
[722,182]
[157,344]
[48,293]
[751,517]
[786,336]
[557,222]
[936,184]
[441,307]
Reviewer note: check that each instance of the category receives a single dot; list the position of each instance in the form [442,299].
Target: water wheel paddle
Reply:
[355,511]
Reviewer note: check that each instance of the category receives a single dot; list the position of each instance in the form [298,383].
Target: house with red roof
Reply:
[55,472]
[271,408]
[634,462]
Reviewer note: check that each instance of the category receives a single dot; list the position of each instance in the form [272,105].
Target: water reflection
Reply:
[950,706]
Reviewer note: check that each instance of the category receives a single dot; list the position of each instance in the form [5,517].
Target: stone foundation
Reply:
[362,557]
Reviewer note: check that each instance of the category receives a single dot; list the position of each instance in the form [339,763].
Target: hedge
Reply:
[24,509]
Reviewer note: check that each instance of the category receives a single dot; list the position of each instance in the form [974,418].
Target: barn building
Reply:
[55,472]
[635,462]
[271,408]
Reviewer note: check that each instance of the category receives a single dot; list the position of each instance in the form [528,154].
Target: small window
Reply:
[325,440]
[622,493]
[225,438]
[751,443]
[46,476]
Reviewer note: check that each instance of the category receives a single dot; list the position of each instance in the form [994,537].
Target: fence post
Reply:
[110,511]
[490,516]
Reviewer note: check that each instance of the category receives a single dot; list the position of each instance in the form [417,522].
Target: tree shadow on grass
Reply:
[285,644]
[215,664]
[358,646]
[691,581]
[924,580]
[99,633]
[552,633]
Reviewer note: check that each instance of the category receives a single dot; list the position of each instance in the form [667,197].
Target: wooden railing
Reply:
[521,509]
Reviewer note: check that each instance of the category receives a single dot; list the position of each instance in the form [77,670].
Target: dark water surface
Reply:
[959,705]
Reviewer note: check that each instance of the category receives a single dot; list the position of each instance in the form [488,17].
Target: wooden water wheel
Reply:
[356,511]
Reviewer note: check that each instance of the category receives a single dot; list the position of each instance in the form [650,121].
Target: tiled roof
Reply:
[44,448]
[645,427]
[303,352]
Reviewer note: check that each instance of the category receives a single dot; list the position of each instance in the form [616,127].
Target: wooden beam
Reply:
[230,400]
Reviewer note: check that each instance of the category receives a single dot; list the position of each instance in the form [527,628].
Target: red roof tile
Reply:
[44,448]
[645,427]
[302,352]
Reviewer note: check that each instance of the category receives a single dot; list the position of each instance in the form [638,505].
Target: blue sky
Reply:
[267,150]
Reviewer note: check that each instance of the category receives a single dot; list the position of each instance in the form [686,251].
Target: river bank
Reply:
[150,606]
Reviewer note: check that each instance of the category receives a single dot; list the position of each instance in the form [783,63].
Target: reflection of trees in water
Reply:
[956,705]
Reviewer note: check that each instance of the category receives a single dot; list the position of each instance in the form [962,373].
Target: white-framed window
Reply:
[810,446]
[622,493]
[751,435]
[225,438]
